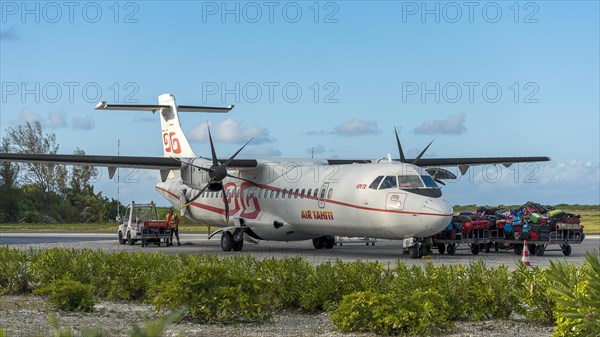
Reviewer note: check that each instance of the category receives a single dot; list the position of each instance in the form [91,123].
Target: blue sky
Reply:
[482,78]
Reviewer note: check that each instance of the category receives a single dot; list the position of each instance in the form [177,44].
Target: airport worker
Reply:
[173,223]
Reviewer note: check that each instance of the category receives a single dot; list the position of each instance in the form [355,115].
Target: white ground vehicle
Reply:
[130,226]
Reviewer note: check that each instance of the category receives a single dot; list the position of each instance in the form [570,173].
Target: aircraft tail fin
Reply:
[175,144]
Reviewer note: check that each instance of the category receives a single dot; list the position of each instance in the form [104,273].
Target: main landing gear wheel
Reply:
[318,243]
[327,242]
[237,246]
[227,241]
[441,248]
[475,249]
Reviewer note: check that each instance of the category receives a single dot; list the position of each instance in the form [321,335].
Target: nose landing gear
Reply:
[417,247]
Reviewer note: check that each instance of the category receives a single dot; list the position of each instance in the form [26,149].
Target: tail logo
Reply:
[171,142]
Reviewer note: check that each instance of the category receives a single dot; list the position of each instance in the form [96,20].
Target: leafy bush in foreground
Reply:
[532,298]
[577,294]
[214,294]
[69,295]
[423,312]
[213,289]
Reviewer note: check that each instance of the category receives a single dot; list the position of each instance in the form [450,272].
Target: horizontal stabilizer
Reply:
[154,108]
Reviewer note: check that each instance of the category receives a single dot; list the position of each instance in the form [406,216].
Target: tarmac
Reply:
[385,251]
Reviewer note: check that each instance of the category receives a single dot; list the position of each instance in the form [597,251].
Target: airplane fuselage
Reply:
[302,199]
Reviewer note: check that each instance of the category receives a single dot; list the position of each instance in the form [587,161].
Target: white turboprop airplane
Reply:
[292,199]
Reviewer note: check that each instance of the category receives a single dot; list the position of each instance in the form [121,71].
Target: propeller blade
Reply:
[244,179]
[212,147]
[236,153]
[421,154]
[226,205]
[402,159]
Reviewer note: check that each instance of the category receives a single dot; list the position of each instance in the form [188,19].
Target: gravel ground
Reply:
[28,316]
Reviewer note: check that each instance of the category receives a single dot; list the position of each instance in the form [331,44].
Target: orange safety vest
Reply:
[170,219]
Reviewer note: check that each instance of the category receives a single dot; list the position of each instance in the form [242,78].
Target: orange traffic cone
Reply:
[525,257]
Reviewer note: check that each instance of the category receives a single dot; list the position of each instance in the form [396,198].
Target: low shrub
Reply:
[213,293]
[577,293]
[331,281]
[530,294]
[15,274]
[69,295]
[424,312]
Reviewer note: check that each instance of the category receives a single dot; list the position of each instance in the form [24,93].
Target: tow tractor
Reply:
[141,223]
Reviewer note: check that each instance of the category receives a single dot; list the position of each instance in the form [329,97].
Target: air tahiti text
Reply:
[316,215]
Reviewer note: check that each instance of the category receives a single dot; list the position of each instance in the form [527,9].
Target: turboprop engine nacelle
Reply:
[193,176]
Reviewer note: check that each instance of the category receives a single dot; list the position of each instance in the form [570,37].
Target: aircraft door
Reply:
[323,195]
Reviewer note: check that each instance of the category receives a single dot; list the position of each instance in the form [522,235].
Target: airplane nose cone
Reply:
[436,214]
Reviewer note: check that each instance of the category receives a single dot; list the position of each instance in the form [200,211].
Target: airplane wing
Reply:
[151,163]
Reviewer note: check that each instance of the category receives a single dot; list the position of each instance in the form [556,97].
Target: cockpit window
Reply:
[375,183]
[388,182]
[429,182]
[410,181]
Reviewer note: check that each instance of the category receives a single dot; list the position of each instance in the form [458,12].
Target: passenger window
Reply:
[271,195]
[329,193]
[389,182]
[290,194]
[375,183]
[296,194]
[322,193]
[302,193]
[410,181]
[283,193]
[316,193]
[309,193]
[277,195]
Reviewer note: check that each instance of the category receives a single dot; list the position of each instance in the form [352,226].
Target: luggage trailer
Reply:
[487,239]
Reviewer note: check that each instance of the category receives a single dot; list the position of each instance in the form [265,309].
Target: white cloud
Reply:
[230,131]
[547,183]
[453,125]
[57,120]
[83,123]
[26,115]
[260,151]
[355,127]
